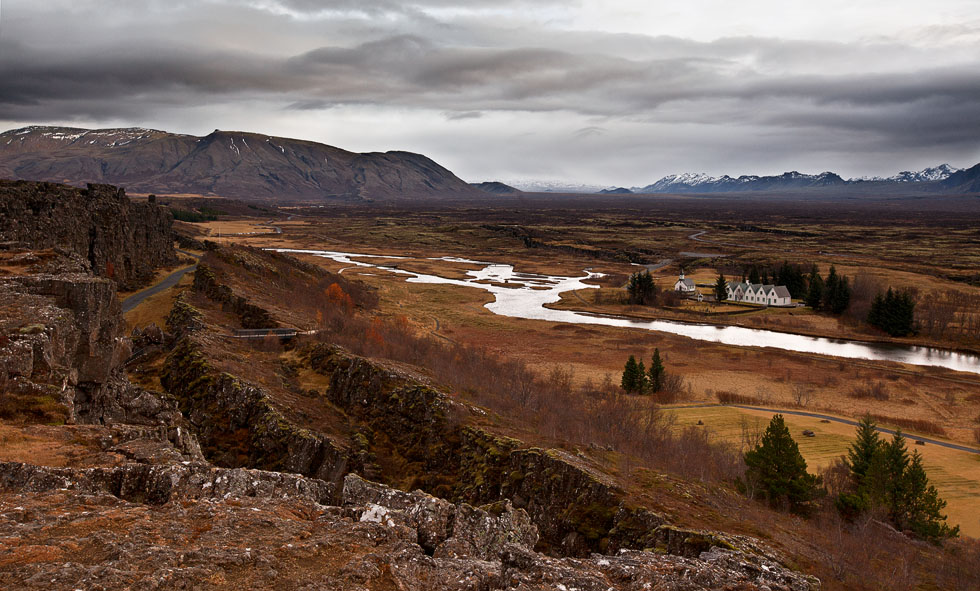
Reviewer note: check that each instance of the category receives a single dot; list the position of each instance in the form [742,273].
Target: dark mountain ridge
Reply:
[242,165]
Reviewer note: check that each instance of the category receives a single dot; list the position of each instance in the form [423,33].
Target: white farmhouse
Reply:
[757,293]
[684,285]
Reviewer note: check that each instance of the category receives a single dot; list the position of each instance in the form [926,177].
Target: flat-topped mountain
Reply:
[243,165]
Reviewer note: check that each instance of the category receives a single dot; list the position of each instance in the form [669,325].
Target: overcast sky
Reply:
[605,92]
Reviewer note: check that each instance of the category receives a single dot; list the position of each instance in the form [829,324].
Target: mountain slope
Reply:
[230,164]
[496,187]
[964,181]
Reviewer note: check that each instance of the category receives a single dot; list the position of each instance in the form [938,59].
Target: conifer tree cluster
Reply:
[886,478]
[777,470]
[641,290]
[893,312]
[791,275]
[832,294]
[637,380]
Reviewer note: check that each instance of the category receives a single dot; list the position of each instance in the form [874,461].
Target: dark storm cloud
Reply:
[411,71]
[306,56]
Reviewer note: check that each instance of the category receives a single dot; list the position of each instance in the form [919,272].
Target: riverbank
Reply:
[574,302]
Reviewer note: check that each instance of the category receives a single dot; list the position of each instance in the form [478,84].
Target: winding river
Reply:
[524,295]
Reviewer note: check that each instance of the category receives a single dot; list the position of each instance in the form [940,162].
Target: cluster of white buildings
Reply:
[757,293]
[752,293]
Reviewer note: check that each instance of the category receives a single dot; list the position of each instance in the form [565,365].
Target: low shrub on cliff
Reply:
[31,408]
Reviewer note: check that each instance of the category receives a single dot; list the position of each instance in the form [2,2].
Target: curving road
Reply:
[171,280]
[803,413]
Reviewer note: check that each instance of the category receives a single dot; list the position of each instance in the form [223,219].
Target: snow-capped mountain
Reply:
[934,173]
[704,183]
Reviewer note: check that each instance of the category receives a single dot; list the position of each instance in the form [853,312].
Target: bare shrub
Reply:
[869,389]
[751,433]
[837,478]
[726,397]
[591,415]
[674,387]
[802,394]
[920,425]
[976,435]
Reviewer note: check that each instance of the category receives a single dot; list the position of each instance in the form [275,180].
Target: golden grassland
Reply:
[956,474]
[155,308]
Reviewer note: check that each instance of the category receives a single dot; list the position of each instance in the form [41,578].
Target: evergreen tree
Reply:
[641,378]
[842,296]
[657,372]
[814,294]
[830,287]
[779,469]
[793,278]
[631,376]
[863,449]
[721,288]
[922,507]
[887,477]
[641,289]
[893,312]
[754,275]
[896,462]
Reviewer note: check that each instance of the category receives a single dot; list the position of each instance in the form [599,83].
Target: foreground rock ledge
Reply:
[198,527]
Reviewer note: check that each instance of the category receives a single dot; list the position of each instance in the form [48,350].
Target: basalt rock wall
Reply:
[120,239]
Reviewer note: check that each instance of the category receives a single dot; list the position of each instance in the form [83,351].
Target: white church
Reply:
[685,286]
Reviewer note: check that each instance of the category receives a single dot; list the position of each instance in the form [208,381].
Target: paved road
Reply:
[171,280]
[802,413]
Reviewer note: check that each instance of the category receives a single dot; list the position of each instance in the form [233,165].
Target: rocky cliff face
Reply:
[238,425]
[116,238]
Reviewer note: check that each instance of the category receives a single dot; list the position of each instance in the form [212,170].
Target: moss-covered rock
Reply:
[237,424]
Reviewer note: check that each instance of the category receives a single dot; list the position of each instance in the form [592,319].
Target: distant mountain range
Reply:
[935,173]
[255,167]
[246,166]
[939,176]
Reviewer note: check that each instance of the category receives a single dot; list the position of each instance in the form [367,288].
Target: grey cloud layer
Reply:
[896,93]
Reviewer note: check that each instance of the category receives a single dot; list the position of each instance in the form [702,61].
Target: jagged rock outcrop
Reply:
[65,342]
[117,238]
[444,529]
[159,484]
[199,527]
[237,424]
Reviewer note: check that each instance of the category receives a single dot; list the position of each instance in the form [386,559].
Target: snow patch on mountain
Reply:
[933,173]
